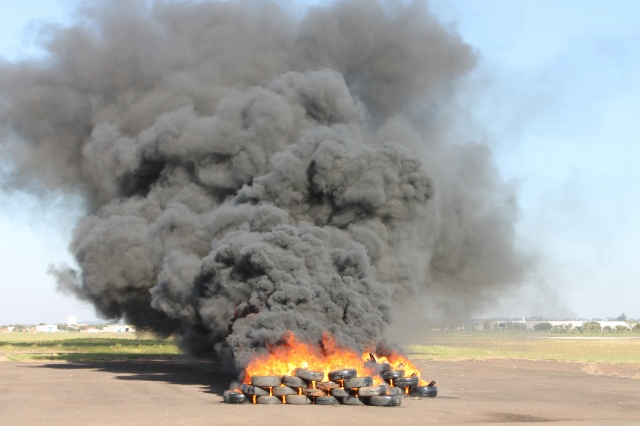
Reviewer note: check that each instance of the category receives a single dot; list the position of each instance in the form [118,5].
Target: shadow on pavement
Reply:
[209,376]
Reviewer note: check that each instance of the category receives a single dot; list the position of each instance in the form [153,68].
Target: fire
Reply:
[399,361]
[291,354]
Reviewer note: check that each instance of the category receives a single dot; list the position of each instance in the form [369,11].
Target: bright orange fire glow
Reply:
[399,361]
[291,354]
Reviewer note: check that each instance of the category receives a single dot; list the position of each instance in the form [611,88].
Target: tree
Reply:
[622,317]
[592,327]
[542,326]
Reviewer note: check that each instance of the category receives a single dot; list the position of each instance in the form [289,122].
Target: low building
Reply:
[47,328]
[118,328]
[568,325]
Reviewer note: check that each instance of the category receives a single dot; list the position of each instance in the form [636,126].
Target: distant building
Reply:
[613,324]
[72,321]
[47,328]
[116,328]
[567,324]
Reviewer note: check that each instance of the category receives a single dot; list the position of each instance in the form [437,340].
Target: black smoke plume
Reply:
[247,171]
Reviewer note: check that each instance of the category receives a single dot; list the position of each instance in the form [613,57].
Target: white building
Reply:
[47,328]
[116,328]
[575,324]
[72,320]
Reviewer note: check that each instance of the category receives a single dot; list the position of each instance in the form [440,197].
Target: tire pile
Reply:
[343,387]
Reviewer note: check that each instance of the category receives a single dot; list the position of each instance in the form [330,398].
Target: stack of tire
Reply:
[307,387]
[409,384]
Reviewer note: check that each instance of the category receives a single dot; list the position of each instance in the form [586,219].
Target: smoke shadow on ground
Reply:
[209,376]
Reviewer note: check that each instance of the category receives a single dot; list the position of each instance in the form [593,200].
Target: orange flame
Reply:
[399,361]
[290,354]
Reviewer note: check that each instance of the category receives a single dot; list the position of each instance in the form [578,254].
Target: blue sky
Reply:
[556,94]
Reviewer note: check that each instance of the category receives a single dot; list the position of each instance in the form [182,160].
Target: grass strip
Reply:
[71,347]
[602,351]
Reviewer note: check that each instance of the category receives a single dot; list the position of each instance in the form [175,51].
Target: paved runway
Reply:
[190,393]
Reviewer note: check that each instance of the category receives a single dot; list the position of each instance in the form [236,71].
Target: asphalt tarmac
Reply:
[190,393]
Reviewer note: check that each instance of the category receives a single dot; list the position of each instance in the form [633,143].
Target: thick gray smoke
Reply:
[248,172]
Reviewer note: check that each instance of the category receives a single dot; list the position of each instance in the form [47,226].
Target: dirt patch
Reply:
[617,370]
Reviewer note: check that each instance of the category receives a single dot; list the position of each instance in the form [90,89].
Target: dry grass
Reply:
[453,346]
[81,347]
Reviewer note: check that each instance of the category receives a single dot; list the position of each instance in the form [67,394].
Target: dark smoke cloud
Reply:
[247,172]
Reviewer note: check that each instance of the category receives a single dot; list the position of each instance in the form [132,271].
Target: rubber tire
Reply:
[346,373]
[234,397]
[377,367]
[404,382]
[340,393]
[392,390]
[325,400]
[294,382]
[353,400]
[372,390]
[297,400]
[252,390]
[327,385]
[393,374]
[266,381]
[313,392]
[268,400]
[424,391]
[283,391]
[358,382]
[314,376]
[386,400]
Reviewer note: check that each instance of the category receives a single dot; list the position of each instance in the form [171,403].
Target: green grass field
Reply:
[533,346]
[81,347]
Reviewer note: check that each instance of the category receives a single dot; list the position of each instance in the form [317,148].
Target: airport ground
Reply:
[179,392]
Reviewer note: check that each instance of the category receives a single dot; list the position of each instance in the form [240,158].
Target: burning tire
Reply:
[358,382]
[406,381]
[377,367]
[426,391]
[386,400]
[394,391]
[313,392]
[392,375]
[297,400]
[314,376]
[326,400]
[268,400]
[340,393]
[252,390]
[284,391]
[353,400]
[372,390]
[327,386]
[266,381]
[234,397]
[342,374]
[294,382]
